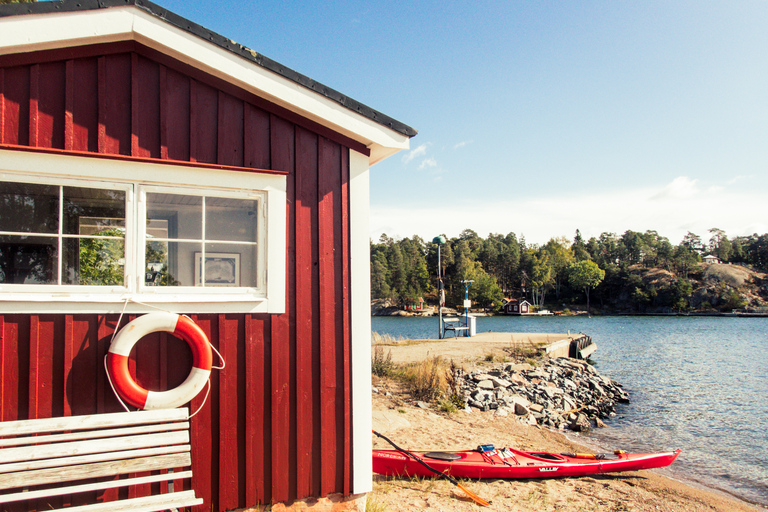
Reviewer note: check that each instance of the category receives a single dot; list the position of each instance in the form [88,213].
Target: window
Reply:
[197,236]
[61,235]
[194,240]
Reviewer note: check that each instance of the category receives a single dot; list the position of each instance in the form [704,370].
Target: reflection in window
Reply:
[51,234]
[185,226]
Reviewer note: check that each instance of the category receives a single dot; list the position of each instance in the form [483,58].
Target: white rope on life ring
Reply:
[120,349]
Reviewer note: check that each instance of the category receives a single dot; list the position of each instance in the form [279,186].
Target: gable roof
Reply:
[37,26]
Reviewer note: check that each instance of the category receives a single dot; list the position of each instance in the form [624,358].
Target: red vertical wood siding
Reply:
[276,422]
[283,351]
[16,105]
[307,324]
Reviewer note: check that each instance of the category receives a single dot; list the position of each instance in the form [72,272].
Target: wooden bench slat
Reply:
[93,421]
[96,470]
[145,504]
[48,451]
[87,459]
[98,434]
[98,486]
[69,455]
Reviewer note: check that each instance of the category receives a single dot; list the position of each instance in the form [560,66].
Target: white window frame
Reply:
[138,178]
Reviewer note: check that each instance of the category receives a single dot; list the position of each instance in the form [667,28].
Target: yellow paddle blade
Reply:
[477,499]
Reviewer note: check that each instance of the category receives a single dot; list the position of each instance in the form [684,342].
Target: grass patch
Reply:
[523,351]
[374,504]
[386,339]
[426,380]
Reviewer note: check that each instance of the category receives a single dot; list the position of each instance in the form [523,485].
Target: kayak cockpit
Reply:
[545,456]
[446,456]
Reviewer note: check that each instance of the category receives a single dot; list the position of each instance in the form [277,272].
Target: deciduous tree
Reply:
[585,275]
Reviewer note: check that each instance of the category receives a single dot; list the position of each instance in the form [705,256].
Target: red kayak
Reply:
[510,463]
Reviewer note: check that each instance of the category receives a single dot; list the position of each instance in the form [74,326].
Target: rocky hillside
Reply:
[708,288]
[717,280]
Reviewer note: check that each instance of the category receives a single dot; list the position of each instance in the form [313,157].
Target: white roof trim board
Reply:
[229,62]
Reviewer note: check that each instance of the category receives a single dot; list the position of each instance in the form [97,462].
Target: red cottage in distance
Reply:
[147,163]
[515,307]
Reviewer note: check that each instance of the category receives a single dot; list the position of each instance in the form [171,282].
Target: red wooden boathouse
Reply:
[146,162]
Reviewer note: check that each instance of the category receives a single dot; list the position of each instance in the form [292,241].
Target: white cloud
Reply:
[737,179]
[415,153]
[462,144]
[428,162]
[680,187]
[682,207]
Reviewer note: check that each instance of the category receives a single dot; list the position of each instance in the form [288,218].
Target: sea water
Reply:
[695,383]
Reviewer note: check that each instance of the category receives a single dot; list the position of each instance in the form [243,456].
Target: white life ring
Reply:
[120,350]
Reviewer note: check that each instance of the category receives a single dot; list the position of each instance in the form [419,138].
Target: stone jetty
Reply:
[560,393]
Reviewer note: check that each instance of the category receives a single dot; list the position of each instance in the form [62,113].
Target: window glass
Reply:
[91,211]
[28,259]
[233,264]
[231,219]
[169,263]
[94,261]
[183,214]
[29,207]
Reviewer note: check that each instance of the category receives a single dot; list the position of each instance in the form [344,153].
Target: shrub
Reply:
[426,380]
[454,395]
[382,366]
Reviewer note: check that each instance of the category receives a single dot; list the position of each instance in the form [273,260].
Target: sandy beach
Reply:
[396,415]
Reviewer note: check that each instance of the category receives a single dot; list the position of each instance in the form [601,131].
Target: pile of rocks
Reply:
[561,393]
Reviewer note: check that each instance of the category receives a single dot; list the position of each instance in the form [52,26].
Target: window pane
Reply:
[183,214]
[93,210]
[231,265]
[233,220]
[93,261]
[170,263]
[29,208]
[28,260]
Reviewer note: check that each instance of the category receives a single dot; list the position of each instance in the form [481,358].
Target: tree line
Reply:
[558,272]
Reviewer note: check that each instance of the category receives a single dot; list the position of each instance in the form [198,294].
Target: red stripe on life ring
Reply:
[189,331]
[126,386]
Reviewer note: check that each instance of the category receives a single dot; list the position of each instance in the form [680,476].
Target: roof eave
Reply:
[225,59]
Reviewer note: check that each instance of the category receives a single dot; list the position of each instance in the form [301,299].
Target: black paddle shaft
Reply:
[417,459]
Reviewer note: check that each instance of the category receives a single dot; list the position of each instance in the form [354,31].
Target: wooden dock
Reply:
[493,345]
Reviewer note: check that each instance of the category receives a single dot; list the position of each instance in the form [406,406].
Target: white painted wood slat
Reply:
[98,434]
[94,421]
[145,504]
[96,470]
[98,486]
[87,459]
[48,451]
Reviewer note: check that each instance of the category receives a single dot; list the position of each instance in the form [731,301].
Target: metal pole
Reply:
[466,307]
[439,295]
[439,240]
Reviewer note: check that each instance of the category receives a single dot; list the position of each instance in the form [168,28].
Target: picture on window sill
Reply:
[221,269]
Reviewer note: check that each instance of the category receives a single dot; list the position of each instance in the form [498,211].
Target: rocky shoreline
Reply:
[561,394]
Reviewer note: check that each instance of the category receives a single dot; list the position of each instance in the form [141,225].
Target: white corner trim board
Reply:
[360,298]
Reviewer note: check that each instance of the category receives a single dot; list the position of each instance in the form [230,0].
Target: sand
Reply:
[398,417]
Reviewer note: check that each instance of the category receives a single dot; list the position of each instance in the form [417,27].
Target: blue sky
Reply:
[540,118]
